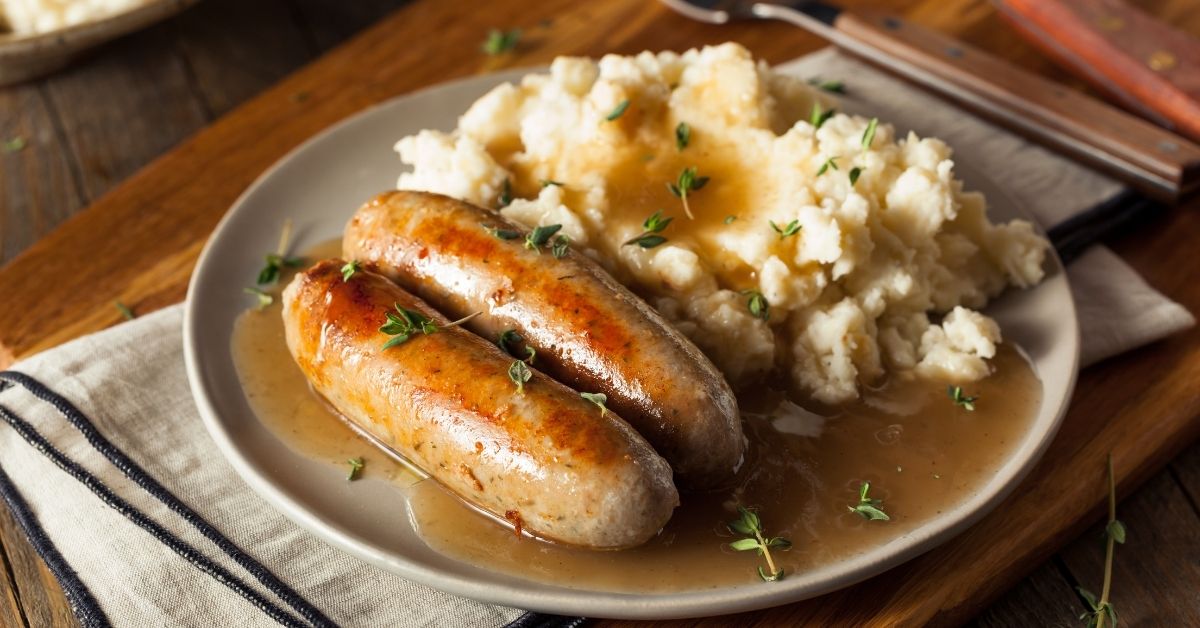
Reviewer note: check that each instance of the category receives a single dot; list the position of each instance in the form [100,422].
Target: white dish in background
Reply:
[28,56]
[318,186]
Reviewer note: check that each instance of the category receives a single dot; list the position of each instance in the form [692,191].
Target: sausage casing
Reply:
[544,459]
[589,331]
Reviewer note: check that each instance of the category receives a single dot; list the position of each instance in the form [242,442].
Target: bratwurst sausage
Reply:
[541,457]
[588,331]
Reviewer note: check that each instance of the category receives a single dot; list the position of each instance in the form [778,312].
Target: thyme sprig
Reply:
[820,116]
[356,467]
[279,260]
[499,42]
[1101,612]
[508,341]
[748,524]
[403,324]
[600,399]
[264,298]
[126,313]
[617,111]
[757,304]
[652,226]
[868,508]
[348,270]
[683,135]
[791,229]
[538,238]
[961,399]
[519,373]
[687,182]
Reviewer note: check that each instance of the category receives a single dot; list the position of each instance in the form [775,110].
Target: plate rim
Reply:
[593,603]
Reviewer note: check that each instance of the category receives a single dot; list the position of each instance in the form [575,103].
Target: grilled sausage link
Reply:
[544,459]
[589,331]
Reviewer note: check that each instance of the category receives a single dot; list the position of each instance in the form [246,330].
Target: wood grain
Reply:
[1142,62]
[1115,391]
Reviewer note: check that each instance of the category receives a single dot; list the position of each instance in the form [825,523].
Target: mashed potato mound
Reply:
[787,263]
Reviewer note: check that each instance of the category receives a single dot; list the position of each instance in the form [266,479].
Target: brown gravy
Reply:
[921,453]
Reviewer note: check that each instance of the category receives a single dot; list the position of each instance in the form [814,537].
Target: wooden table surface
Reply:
[93,126]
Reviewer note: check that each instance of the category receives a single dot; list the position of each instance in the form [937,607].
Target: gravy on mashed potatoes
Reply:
[883,274]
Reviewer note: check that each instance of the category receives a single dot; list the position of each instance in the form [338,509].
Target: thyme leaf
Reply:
[868,508]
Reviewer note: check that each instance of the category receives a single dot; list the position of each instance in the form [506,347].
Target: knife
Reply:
[1161,164]
[1141,62]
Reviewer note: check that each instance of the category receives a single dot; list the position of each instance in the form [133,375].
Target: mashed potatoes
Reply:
[835,254]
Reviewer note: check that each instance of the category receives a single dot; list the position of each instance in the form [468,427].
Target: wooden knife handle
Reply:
[1159,163]
[1143,63]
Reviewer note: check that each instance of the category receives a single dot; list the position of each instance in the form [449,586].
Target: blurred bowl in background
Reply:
[25,56]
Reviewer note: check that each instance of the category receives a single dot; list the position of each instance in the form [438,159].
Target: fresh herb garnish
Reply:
[653,225]
[499,42]
[126,313]
[540,236]
[749,525]
[683,135]
[13,145]
[791,229]
[834,86]
[854,172]
[356,467]
[868,508]
[508,341]
[730,218]
[349,269]
[550,182]
[264,298]
[829,163]
[869,135]
[503,234]
[561,245]
[278,260]
[960,398]
[1101,612]
[757,304]
[519,373]
[599,399]
[617,111]
[687,182]
[819,116]
[403,324]
[506,196]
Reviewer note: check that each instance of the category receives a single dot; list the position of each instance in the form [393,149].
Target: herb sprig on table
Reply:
[1101,612]
[499,42]
[748,524]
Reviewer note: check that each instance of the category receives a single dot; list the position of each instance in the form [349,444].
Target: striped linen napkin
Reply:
[106,466]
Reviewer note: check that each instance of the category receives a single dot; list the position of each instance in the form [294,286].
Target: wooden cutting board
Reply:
[138,244]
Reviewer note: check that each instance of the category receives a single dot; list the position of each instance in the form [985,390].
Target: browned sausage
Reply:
[589,331]
[543,458]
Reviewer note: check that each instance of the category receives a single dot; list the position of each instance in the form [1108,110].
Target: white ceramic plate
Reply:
[318,186]
[24,57]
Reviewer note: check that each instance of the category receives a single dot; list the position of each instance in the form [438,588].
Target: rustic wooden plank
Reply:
[139,104]
[42,600]
[1186,469]
[330,23]
[1044,598]
[234,49]
[1156,571]
[37,187]
[11,613]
